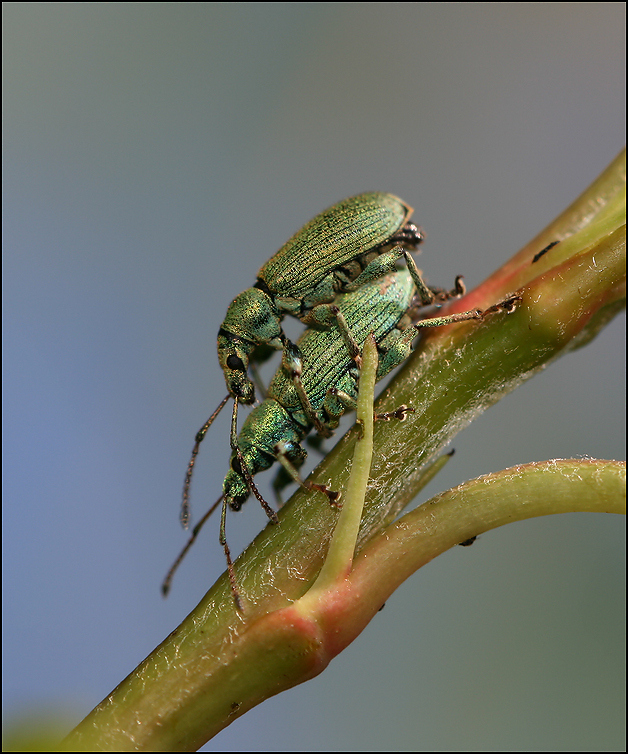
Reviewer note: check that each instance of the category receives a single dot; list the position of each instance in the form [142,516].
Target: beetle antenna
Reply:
[200,436]
[230,569]
[165,587]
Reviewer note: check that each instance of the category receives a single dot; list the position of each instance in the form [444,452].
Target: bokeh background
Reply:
[155,155]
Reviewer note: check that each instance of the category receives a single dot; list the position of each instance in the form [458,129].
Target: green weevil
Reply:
[351,243]
[320,384]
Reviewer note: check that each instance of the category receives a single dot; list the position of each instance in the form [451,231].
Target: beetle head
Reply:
[252,320]
[235,489]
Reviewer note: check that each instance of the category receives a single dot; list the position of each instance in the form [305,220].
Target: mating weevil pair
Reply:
[320,394]
[353,242]
[317,394]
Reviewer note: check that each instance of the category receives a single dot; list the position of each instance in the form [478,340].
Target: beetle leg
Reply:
[442,294]
[329,315]
[230,569]
[286,459]
[508,305]
[377,268]
[425,294]
[293,364]
[335,404]
[399,413]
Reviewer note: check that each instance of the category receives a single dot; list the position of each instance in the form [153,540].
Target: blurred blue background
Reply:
[155,155]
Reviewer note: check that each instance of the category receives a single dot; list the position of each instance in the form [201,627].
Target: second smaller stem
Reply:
[339,558]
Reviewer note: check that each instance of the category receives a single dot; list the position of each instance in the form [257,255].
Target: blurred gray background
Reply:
[155,155]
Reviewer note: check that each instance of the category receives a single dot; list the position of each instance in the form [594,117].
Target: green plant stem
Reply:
[194,683]
[493,500]
[217,663]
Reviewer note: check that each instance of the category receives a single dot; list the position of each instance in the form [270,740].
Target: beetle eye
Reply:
[235,362]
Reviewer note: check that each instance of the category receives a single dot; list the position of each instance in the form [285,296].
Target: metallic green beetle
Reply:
[355,241]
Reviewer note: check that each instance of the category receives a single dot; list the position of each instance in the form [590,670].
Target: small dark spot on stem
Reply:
[539,254]
[468,542]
